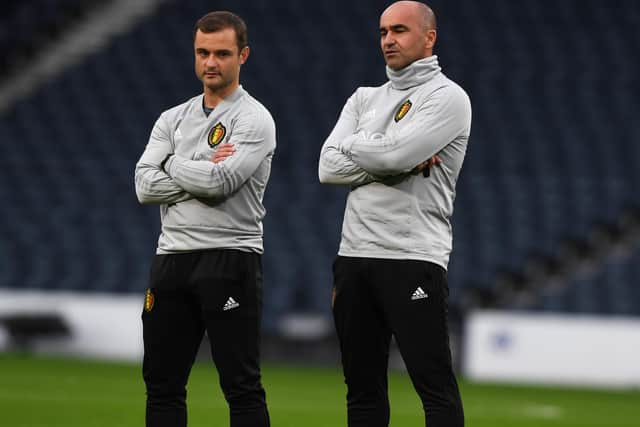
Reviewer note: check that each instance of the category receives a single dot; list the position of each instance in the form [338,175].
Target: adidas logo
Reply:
[419,294]
[231,303]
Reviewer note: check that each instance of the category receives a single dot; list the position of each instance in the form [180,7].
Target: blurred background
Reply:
[547,215]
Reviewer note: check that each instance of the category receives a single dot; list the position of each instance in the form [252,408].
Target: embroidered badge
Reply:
[216,134]
[402,111]
[149,300]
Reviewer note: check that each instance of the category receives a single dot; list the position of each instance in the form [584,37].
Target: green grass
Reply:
[51,392]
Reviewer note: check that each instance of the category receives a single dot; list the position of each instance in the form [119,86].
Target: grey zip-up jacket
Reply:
[206,205]
[382,134]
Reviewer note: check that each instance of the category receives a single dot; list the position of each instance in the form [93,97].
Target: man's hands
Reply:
[425,166]
[223,151]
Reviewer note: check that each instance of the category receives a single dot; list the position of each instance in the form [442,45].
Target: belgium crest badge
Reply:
[149,300]
[402,111]
[216,134]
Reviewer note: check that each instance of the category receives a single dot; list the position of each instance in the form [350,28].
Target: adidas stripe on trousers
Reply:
[217,291]
[375,299]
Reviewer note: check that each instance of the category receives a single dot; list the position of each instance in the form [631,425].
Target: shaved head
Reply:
[422,11]
[407,33]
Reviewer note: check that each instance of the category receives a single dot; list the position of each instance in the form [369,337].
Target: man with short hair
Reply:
[400,148]
[207,164]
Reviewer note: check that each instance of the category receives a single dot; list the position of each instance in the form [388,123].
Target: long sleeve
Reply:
[254,138]
[336,167]
[438,121]
[153,185]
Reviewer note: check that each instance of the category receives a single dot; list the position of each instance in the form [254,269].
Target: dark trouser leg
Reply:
[172,331]
[232,308]
[419,324]
[364,343]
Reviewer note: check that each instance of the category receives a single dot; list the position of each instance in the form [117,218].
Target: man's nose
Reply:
[388,40]
[211,61]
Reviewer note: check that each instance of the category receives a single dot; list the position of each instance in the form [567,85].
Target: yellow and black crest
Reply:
[216,134]
[149,300]
[403,110]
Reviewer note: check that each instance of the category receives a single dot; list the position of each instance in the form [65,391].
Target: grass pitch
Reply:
[56,392]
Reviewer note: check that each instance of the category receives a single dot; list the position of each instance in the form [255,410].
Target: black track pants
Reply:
[375,299]
[219,291]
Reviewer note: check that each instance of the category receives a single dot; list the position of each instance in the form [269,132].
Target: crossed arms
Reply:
[161,176]
[353,156]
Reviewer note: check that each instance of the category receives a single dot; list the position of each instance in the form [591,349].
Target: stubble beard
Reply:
[220,83]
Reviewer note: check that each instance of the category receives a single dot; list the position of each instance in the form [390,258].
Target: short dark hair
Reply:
[219,20]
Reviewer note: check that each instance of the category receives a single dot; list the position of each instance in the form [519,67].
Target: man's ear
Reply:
[430,39]
[244,54]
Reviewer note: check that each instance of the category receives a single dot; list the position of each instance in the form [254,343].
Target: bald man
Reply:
[400,148]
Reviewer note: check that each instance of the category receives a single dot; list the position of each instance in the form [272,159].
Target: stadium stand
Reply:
[553,152]
[29,26]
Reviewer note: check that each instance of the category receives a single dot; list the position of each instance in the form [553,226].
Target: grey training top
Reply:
[206,205]
[382,134]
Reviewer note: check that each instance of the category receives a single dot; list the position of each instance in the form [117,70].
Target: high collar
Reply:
[414,74]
